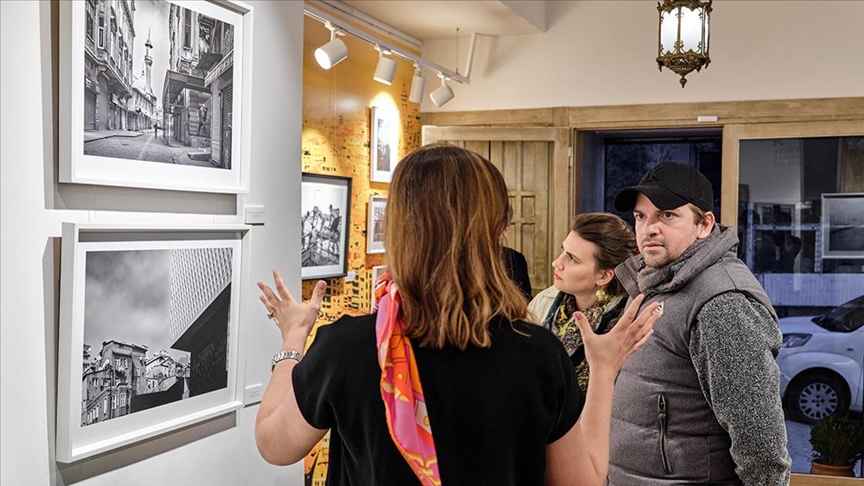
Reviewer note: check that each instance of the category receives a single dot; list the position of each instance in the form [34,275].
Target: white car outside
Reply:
[822,362]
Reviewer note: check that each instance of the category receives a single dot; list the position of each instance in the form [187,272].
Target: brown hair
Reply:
[446,211]
[613,238]
[699,214]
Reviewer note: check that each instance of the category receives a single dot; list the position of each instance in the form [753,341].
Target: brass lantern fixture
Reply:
[683,38]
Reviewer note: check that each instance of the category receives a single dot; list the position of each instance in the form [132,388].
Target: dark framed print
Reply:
[149,332]
[384,144]
[325,206]
[155,94]
[843,225]
[375,224]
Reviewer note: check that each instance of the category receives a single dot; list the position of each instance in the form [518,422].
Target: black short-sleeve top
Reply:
[492,411]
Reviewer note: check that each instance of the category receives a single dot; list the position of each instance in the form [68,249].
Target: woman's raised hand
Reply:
[292,317]
[609,351]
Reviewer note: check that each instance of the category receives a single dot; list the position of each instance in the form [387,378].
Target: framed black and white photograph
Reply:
[155,94]
[377,271]
[149,333]
[384,144]
[375,224]
[843,225]
[325,207]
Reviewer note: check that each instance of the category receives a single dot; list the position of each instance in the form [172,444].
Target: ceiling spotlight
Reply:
[386,68]
[333,52]
[443,94]
[418,82]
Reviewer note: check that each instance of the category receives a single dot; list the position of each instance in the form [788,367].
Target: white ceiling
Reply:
[438,19]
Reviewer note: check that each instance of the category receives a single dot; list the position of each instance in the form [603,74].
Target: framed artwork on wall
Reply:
[375,224]
[384,144]
[843,225]
[325,205]
[377,271]
[149,332]
[155,94]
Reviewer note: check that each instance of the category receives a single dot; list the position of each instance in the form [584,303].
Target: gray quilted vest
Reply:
[663,430]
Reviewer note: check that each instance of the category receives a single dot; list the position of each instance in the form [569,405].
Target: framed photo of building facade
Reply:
[155,94]
[149,332]
[384,144]
[325,212]
[375,224]
[843,225]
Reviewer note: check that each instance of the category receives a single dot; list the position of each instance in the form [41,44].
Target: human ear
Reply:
[706,226]
[605,276]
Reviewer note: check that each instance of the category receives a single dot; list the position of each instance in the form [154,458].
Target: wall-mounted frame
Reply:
[156,96]
[375,224]
[377,271]
[325,212]
[843,225]
[384,144]
[149,332]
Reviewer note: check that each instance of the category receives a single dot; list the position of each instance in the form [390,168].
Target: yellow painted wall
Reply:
[336,134]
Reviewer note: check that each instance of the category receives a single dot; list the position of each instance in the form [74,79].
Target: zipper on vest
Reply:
[661,416]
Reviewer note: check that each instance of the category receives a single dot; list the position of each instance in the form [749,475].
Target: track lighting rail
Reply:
[325,18]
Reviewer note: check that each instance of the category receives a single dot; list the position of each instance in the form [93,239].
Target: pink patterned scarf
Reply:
[405,404]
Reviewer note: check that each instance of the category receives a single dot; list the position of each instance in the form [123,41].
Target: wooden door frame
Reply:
[560,173]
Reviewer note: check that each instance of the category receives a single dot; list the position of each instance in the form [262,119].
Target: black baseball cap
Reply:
[669,185]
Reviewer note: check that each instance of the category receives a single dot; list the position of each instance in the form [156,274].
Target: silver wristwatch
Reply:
[295,355]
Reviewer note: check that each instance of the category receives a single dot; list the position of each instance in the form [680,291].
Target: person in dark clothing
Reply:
[515,263]
[414,393]
[517,270]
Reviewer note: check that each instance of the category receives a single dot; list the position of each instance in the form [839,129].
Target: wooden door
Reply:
[536,168]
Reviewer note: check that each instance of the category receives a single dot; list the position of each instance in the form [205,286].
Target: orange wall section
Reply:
[336,137]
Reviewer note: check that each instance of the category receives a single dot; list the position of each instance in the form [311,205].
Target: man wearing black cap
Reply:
[700,402]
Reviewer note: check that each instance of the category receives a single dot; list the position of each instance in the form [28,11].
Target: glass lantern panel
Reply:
[707,38]
[691,29]
[669,32]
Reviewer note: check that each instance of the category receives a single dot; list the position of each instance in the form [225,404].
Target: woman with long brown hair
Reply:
[446,382]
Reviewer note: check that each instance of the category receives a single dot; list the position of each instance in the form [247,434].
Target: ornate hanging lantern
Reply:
[683,38]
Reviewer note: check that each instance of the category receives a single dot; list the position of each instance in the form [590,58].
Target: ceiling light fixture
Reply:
[333,52]
[683,38]
[386,69]
[418,83]
[340,27]
[442,95]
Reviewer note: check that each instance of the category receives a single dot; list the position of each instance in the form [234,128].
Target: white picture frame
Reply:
[137,110]
[377,271]
[325,211]
[375,224]
[163,369]
[383,143]
[843,225]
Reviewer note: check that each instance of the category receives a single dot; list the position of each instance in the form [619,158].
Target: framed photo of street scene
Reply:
[149,332]
[384,144]
[155,94]
[375,224]
[325,212]
[843,225]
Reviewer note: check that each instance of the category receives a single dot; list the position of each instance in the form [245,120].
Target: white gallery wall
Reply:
[219,451]
[596,53]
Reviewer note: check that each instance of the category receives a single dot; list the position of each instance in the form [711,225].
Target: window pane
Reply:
[801,226]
